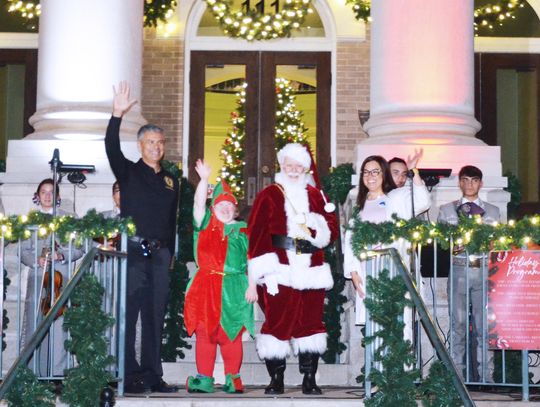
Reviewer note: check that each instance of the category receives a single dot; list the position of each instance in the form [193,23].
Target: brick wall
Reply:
[352,94]
[163,88]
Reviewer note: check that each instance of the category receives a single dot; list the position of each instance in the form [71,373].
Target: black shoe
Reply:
[276,369]
[309,386]
[136,387]
[308,363]
[163,387]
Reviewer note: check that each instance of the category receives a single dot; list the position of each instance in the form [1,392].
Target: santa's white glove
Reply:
[313,220]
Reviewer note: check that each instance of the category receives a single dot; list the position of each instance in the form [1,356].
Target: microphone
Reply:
[55,161]
[410,174]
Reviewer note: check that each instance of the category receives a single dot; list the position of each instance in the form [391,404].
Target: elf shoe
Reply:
[233,384]
[200,384]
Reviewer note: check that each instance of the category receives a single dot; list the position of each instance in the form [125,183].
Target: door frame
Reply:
[486,66]
[260,97]
[28,58]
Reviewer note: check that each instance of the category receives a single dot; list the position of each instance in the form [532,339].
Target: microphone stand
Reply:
[410,175]
[55,166]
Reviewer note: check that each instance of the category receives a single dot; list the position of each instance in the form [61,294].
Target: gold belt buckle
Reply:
[298,251]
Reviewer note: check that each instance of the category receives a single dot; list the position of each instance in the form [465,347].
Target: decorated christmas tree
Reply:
[232,151]
[289,128]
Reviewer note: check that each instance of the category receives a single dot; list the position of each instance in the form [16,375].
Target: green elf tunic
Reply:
[215,294]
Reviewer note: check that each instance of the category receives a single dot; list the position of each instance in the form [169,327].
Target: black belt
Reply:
[154,244]
[297,245]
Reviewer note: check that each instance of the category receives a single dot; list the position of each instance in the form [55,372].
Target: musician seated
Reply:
[38,256]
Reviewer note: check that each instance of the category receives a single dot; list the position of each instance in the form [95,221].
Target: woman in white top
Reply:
[378,199]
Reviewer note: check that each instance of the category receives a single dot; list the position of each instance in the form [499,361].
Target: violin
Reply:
[46,297]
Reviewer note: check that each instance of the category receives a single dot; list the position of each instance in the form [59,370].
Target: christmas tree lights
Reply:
[289,128]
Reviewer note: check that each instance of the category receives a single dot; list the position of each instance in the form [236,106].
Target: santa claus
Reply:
[290,225]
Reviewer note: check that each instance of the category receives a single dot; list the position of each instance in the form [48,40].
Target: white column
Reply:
[422,94]
[422,64]
[86,47]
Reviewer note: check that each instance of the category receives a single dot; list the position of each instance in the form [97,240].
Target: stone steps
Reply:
[256,373]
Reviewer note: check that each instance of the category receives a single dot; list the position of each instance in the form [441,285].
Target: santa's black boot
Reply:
[308,363]
[276,368]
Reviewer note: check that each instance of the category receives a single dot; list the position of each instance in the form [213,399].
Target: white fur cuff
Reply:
[260,266]
[270,347]
[310,344]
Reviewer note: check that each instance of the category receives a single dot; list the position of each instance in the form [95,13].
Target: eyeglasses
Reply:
[373,173]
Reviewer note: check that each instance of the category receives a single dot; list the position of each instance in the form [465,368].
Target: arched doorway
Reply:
[218,69]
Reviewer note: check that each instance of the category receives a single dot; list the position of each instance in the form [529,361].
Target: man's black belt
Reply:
[297,245]
[154,244]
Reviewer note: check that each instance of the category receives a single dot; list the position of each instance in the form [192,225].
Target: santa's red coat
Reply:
[266,262]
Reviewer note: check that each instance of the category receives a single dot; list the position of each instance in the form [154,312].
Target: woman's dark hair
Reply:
[387,184]
[48,181]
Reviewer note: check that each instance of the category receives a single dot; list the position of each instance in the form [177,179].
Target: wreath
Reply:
[257,25]
[154,10]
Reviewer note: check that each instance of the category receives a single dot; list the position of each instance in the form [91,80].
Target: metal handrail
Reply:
[427,322]
[47,321]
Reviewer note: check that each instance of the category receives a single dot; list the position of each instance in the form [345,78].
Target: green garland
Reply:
[396,385]
[336,185]
[174,331]
[474,235]
[157,10]
[92,225]
[385,305]
[5,319]
[257,25]
[28,391]
[361,9]
[87,322]
[154,10]
[438,390]
[487,15]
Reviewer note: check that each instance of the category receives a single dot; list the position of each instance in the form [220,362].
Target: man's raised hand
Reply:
[121,100]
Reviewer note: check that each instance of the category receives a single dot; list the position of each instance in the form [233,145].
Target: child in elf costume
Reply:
[216,308]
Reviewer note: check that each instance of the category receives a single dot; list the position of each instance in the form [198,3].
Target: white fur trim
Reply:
[318,223]
[304,277]
[270,347]
[259,267]
[312,344]
[295,151]
[265,270]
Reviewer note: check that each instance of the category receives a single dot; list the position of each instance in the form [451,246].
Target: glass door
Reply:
[244,105]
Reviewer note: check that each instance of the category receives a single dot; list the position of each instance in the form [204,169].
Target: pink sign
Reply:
[514,299]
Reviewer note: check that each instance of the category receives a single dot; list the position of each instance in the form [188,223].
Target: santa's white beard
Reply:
[291,185]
